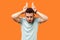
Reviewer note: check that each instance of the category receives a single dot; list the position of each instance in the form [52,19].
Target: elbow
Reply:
[12,16]
[46,18]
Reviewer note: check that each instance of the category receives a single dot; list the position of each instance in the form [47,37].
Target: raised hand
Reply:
[25,7]
[33,7]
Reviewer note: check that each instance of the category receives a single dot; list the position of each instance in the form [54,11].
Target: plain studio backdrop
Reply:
[10,30]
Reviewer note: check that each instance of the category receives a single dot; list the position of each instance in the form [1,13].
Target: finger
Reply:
[26,4]
[24,7]
[33,5]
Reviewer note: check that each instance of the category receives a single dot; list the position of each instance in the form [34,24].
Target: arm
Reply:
[16,17]
[43,18]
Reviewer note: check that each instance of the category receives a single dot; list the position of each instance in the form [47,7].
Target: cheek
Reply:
[32,18]
[27,19]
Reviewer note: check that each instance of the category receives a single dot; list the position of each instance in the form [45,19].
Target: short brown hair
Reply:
[30,10]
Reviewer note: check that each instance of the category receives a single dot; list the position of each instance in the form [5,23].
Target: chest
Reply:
[28,27]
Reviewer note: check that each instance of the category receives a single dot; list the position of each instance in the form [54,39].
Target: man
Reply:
[29,23]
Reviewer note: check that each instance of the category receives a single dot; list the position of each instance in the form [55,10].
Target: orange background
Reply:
[10,30]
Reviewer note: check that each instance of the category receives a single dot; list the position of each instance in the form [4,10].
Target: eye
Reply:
[30,16]
[27,16]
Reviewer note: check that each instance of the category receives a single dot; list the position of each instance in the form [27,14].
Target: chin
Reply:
[30,22]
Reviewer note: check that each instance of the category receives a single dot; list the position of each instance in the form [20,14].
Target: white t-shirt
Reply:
[29,30]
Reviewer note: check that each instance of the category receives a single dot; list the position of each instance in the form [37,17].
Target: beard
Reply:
[31,21]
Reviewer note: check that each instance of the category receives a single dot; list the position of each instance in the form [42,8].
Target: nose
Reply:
[29,18]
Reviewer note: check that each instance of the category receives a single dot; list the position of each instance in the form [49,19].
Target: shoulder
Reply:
[23,19]
[37,19]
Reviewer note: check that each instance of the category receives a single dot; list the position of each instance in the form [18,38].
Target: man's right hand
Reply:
[25,7]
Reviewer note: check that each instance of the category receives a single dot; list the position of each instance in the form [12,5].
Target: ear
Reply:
[34,14]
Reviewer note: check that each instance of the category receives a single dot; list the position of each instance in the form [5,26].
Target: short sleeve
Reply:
[38,20]
[21,20]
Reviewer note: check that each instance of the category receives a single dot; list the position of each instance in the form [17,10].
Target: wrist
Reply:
[22,11]
[36,11]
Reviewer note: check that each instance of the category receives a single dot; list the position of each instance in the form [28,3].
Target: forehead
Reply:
[29,14]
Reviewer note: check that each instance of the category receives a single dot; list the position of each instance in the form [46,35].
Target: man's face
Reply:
[30,17]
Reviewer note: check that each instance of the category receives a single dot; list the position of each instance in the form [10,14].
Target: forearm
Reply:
[42,16]
[17,14]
